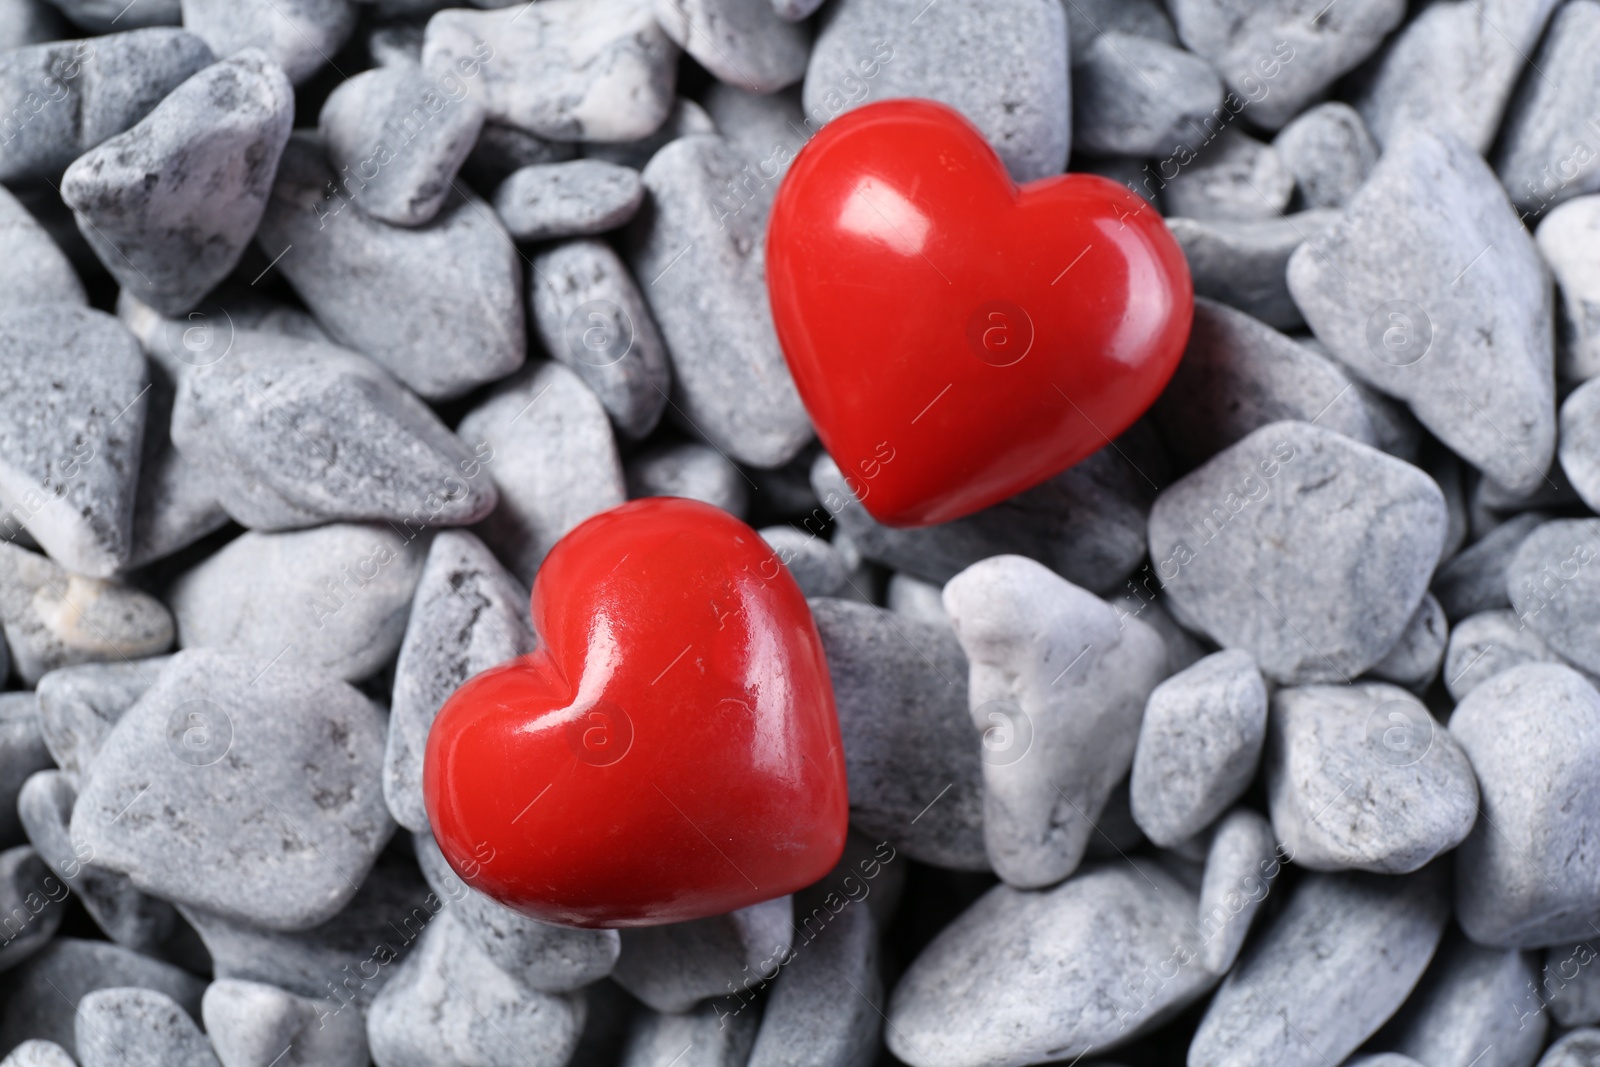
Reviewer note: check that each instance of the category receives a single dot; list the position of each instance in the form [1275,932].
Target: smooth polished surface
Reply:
[957,339]
[670,751]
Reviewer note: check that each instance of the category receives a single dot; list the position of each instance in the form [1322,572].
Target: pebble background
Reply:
[1268,736]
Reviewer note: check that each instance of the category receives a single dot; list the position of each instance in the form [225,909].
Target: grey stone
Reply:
[1394,430]
[468,615]
[1142,601]
[293,433]
[1001,63]
[1132,95]
[1025,977]
[398,43]
[1415,659]
[1057,686]
[1580,442]
[1567,986]
[132,1027]
[1325,973]
[550,959]
[205,336]
[1580,1048]
[1475,579]
[916,599]
[25,22]
[815,565]
[1362,777]
[268,783]
[671,968]
[256,1025]
[572,70]
[685,119]
[438,305]
[38,1054]
[32,903]
[1199,744]
[1451,69]
[503,150]
[1239,374]
[1545,153]
[1449,473]
[704,273]
[576,198]
[1395,291]
[33,269]
[1235,177]
[1088,19]
[1567,237]
[547,443]
[1330,152]
[107,16]
[591,318]
[449,1004]
[895,678]
[170,205]
[1552,587]
[62,98]
[1304,548]
[741,42]
[127,916]
[1523,878]
[1242,862]
[298,35]
[1282,56]
[55,619]
[691,470]
[40,998]
[1242,262]
[1468,1009]
[23,752]
[413,131]
[1483,645]
[333,599]
[767,129]
[710,1036]
[69,443]
[79,705]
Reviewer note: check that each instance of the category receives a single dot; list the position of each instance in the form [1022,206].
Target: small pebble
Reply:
[1469,1009]
[573,199]
[503,150]
[1580,1048]
[33,269]
[1414,660]
[1088,19]
[133,1027]
[298,35]
[1136,96]
[23,752]
[692,470]
[1475,579]
[1330,152]
[671,968]
[1242,863]
[1236,177]
[1485,644]
[767,129]
[1553,588]
[33,901]
[1544,155]
[1568,985]
[709,1036]
[1567,238]
[79,705]
[741,42]
[38,1054]
[684,120]
[256,1025]
[1579,451]
[814,564]
[916,599]
[1241,262]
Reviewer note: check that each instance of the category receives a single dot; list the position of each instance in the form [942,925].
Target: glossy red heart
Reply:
[955,338]
[669,751]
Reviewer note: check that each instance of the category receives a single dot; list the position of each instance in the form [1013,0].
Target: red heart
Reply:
[958,339]
[669,751]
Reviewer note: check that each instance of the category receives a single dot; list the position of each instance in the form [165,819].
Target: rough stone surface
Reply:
[1242,862]
[691,470]
[1567,238]
[1551,581]
[1136,96]
[1241,262]
[572,199]
[256,1025]
[1580,442]
[298,35]
[1414,660]
[1330,152]
[1570,985]
[33,269]
[1483,645]
[33,901]
[1580,1048]
[1235,177]
[671,968]
[709,1036]
[1472,1006]
[133,1027]
[1545,153]
[741,42]
[685,119]
[1474,579]
[38,1054]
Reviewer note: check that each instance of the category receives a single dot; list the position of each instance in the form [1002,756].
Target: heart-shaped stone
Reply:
[955,338]
[669,751]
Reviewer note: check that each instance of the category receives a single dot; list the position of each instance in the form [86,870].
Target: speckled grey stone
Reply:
[895,678]
[713,1035]
[1551,581]
[411,130]
[1325,973]
[1474,579]
[63,98]
[298,35]
[815,565]
[1396,293]
[1242,862]
[767,129]
[40,998]
[685,119]
[1329,151]
[132,1027]
[468,615]
[741,42]
[1414,660]
[38,1054]
[1569,985]
[22,753]
[671,968]
[1235,177]
[55,619]
[333,599]
[33,269]
[1056,689]
[1026,977]
[1361,777]
[1580,441]
[170,205]
[1567,238]
[546,441]
[1302,547]
[1136,96]
[1546,152]
[256,1025]
[1001,63]
[269,783]
[438,305]
[1088,19]
[591,317]
[1580,1048]
[572,70]
[1471,1008]
[1141,600]
[128,916]
[583,196]
[1241,262]
[448,1003]
[1522,878]
[1238,374]
[1199,743]
[703,269]
[1483,645]
[691,470]
[32,905]
[69,443]
[79,705]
